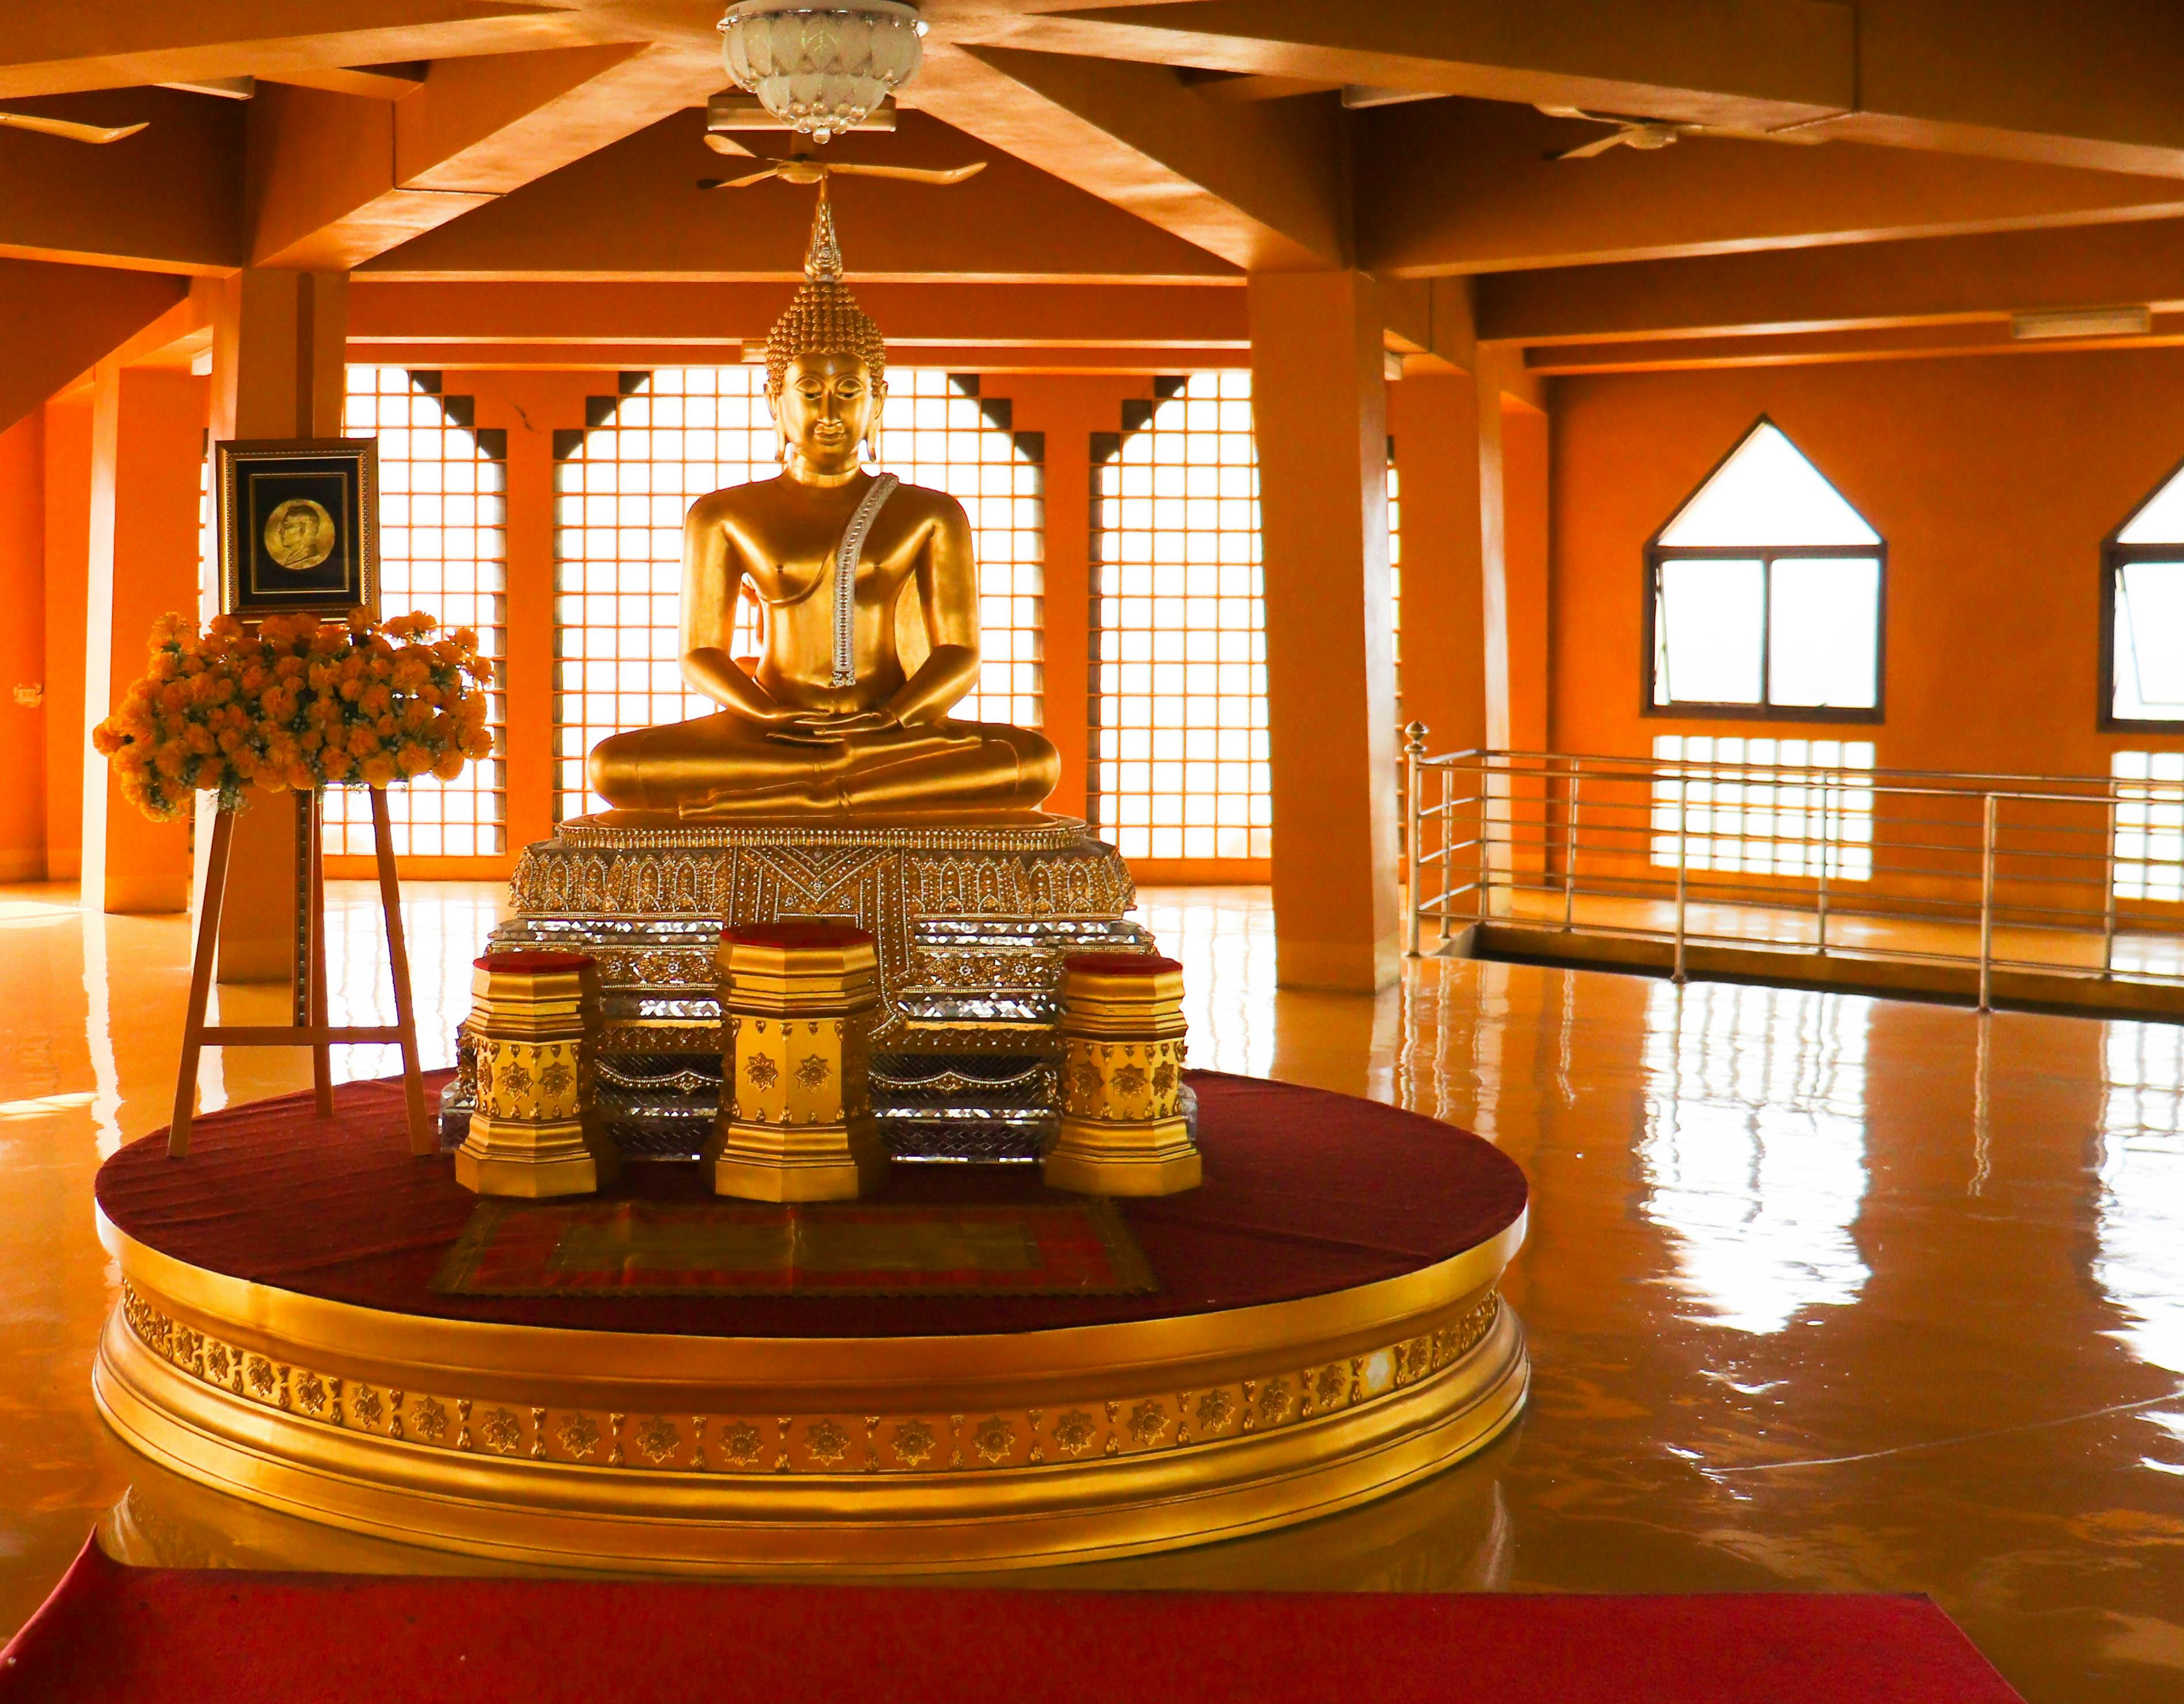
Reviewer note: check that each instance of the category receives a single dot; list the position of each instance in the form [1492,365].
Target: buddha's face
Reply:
[826,406]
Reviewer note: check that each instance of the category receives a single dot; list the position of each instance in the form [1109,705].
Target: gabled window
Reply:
[2143,616]
[1763,595]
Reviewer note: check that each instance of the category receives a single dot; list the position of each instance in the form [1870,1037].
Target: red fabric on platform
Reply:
[1306,1192]
[175,1636]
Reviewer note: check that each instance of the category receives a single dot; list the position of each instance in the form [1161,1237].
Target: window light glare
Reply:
[1767,492]
[2160,518]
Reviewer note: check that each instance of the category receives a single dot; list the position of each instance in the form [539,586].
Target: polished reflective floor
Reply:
[1825,1292]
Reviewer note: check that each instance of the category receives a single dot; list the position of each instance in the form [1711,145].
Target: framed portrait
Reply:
[298,526]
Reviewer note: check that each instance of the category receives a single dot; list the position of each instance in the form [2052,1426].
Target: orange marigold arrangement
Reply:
[295,702]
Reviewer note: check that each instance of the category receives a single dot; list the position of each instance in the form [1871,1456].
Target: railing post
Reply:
[1570,847]
[1827,852]
[1487,835]
[1986,904]
[1414,750]
[2108,888]
[1683,865]
[1445,892]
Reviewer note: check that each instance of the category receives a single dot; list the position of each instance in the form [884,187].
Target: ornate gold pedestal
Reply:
[768,1455]
[971,926]
[796,1117]
[535,1132]
[1123,1128]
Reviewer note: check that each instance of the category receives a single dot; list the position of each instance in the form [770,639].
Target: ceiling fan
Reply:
[68,129]
[1649,135]
[801,171]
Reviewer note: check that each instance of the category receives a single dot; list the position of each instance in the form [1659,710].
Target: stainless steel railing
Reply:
[2064,875]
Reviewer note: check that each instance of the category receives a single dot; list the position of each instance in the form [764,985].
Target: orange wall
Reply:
[1993,482]
[22,650]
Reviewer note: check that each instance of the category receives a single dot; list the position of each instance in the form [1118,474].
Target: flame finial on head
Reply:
[824,318]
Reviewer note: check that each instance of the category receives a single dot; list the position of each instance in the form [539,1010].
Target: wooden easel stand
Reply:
[313,1030]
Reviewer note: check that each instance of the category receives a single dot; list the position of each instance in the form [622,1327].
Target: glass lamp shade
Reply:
[821,69]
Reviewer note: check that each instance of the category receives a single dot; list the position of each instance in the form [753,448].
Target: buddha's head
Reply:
[826,367]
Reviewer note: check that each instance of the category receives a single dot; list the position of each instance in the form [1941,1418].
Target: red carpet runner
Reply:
[174,1636]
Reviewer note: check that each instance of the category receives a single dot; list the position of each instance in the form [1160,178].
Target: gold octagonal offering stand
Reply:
[798,1002]
[536,1132]
[1123,1132]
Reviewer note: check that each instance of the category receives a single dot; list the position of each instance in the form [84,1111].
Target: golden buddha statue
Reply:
[835,720]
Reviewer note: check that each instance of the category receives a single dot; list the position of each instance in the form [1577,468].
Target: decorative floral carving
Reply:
[310,1393]
[1215,1409]
[1274,1401]
[1130,1079]
[994,1440]
[501,1430]
[1073,1432]
[431,1420]
[557,1079]
[579,1434]
[741,1444]
[1088,1079]
[1332,1384]
[913,1443]
[762,1069]
[1164,1077]
[366,1405]
[827,1442]
[1149,1424]
[812,1069]
[514,1079]
[216,1362]
[656,1438]
[261,1375]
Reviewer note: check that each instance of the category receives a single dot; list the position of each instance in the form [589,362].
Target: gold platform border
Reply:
[757,1440]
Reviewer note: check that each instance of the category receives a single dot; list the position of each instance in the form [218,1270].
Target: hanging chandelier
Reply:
[821,69]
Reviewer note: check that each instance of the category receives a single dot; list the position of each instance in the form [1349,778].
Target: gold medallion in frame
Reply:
[297,523]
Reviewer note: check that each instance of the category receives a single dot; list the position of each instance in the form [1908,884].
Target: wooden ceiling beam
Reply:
[164,200]
[1458,186]
[335,180]
[634,211]
[1865,287]
[52,47]
[1760,61]
[1262,185]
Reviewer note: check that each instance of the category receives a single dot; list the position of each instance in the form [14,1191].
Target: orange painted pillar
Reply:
[23,650]
[1319,411]
[67,509]
[147,446]
[279,349]
[1434,419]
[1512,483]
[1066,410]
[528,407]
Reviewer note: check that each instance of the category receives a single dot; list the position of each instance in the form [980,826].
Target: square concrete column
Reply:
[1319,411]
[278,370]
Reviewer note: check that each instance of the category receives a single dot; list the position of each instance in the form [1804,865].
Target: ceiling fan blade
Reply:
[727,145]
[1590,118]
[911,174]
[773,171]
[68,130]
[1795,133]
[1591,149]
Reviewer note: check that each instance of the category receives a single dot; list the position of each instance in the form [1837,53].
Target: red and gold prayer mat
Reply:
[647,1248]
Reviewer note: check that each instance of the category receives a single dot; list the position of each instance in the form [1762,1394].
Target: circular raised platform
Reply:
[1323,1328]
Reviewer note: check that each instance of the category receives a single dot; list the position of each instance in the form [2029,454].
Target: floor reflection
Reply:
[1822,1293]
[1754,1146]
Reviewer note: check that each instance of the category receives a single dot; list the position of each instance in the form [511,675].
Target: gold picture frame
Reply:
[297,525]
